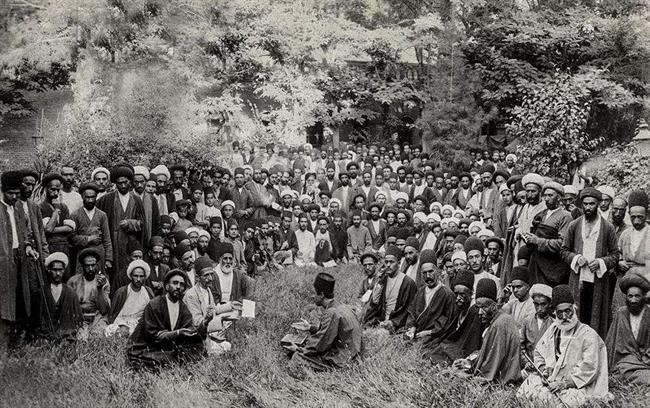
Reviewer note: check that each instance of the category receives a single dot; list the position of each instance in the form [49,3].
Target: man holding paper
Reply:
[336,340]
[591,250]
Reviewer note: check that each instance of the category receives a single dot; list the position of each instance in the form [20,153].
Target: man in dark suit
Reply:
[179,192]
[330,183]
[376,226]
[158,269]
[241,196]
[366,189]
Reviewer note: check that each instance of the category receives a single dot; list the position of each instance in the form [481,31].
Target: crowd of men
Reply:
[496,271]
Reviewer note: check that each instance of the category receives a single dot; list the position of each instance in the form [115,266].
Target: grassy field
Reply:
[256,373]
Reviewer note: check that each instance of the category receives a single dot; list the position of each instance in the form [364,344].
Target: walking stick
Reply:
[544,380]
[41,286]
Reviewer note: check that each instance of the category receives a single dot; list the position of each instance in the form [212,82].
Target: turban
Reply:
[512,180]
[181,250]
[49,178]
[435,204]
[133,245]
[520,273]
[635,280]
[224,248]
[138,263]
[121,171]
[204,233]
[192,230]
[57,257]
[304,197]
[330,165]
[591,192]
[561,294]
[504,187]
[607,191]
[486,288]
[156,241]
[512,156]
[474,244]
[476,224]
[428,256]
[325,193]
[374,205]
[420,216]
[324,283]
[161,170]
[178,167]
[433,216]
[351,164]
[88,186]
[394,251]
[532,178]
[541,289]
[100,170]
[570,189]
[488,168]
[638,198]
[141,170]
[203,262]
[29,173]
[553,185]
[228,202]
[485,233]
[459,255]
[278,168]
[288,192]
[176,272]
[335,200]
[452,220]
[247,166]
[180,236]
[12,180]
[465,278]
[401,196]
[504,174]
[524,252]
[494,239]
[89,252]
[447,207]
[380,192]
[413,242]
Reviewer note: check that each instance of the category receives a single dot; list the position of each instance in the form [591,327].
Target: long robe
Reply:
[509,254]
[436,317]
[582,358]
[498,358]
[636,258]
[629,357]
[87,227]
[153,345]
[120,237]
[531,333]
[546,264]
[15,285]
[63,318]
[151,218]
[461,339]
[593,300]
[338,339]
[120,298]
[56,242]
[377,310]
[525,222]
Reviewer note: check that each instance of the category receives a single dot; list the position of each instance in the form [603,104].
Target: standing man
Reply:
[69,196]
[591,250]
[533,184]
[337,340]
[56,216]
[151,213]
[244,206]
[125,213]
[100,176]
[165,200]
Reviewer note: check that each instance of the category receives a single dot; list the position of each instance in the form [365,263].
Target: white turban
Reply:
[512,156]
[402,195]
[138,263]
[476,224]
[420,216]
[504,187]
[534,179]
[435,204]
[447,207]
[57,257]
[161,170]
[541,289]
[204,233]
[228,202]
[380,192]
[434,216]
[570,189]
[304,197]
[459,255]
[143,171]
[485,233]
[458,212]
[607,191]
[191,230]
[100,170]
[335,200]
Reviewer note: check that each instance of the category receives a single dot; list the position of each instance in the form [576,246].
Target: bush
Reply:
[625,169]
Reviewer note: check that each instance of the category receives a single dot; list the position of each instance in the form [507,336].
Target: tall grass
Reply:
[256,373]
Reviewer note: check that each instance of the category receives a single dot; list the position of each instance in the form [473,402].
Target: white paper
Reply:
[248,309]
[329,264]
[366,296]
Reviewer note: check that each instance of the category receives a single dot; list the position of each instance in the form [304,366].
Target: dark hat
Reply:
[166,219]
[203,262]
[29,173]
[183,201]
[369,254]
[486,168]
[632,279]
[181,250]
[176,272]
[343,173]
[428,256]
[394,251]
[561,294]
[121,171]
[239,170]
[215,220]
[486,288]
[374,205]
[324,283]
[460,239]
[287,213]
[50,177]
[494,239]
[413,242]
[133,245]
[512,180]
[520,273]
[503,174]
[156,241]
[524,252]
[474,243]
[224,248]
[196,186]
[638,198]
[11,180]
[178,167]
[313,207]
[180,236]
[330,165]
[88,186]
[464,277]
[89,252]
[392,231]
[591,192]
[351,164]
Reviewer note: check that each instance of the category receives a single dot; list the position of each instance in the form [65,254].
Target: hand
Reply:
[101,280]
[108,264]
[581,262]
[594,266]
[561,385]
[209,315]
[30,252]
[292,347]
[388,325]
[302,325]
[423,333]
[623,266]
[547,372]
[242,213]
[186,332]
[94,239]
[156,285]
[235,305]
[410,334]
[530,238]
[124,224]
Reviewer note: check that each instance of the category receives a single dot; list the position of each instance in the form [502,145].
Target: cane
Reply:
[544,380]
[41,286]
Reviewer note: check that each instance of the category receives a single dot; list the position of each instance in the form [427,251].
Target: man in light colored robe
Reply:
[572,357]
[533,184]
[306,242]
[522,306]
[130,300]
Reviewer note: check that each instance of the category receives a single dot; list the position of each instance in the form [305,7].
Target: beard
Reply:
[226,269]
[569,325]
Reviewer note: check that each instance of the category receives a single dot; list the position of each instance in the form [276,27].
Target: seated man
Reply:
[628,340]
[166,333]
[572,358]
[522,306]
[200,300]
[337,340]
[498,358]
[61,315]
[92,289]
[391,296]
[431,313]
[533,327]
[129,301]
[464,334]
[231,283]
